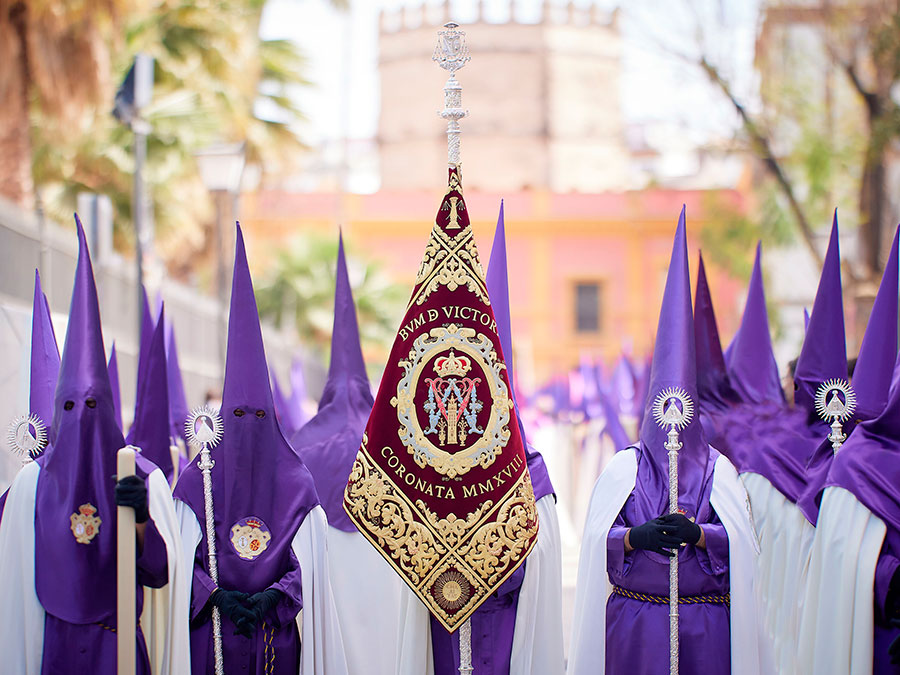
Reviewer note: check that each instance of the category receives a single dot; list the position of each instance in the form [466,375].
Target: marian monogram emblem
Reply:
[453,404]
[85,525]
[250,537]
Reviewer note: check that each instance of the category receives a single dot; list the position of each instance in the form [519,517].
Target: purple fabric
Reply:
[71,578]
[150,429]
[887,565]
[330,441]
[614,428]
[824,352]
[713,385]
[283,409]
[752,368]
[805,319]
[112,369]
[178,407]
[674,365]
[868,463]
[44,357]
[871,380]
[257,474]
[497,282]
[632,625]
[624,388]
[493,626]
[147,327]
[298,394]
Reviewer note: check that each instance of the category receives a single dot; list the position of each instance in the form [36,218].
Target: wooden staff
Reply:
[126,562]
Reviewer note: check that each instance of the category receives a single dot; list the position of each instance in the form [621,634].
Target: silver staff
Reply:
[673,409]
[27,437]
[204,430]
[451,54]
[835,403]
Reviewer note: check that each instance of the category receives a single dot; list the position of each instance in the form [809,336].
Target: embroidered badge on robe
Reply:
[85,525]
[250,537]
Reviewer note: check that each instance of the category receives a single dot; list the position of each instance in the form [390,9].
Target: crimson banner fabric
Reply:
[440,485]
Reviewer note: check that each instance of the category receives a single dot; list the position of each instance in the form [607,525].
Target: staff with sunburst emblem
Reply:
[835,403]
[673,410]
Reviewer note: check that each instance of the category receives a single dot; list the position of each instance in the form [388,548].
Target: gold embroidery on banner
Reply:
[451,563]
[491,441]
[84,524]
[250,537]
[451,262]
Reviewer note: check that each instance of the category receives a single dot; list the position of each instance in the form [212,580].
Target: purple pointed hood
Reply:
[805,320]
[871,381]
[868,463]
[623,386]
[497,282]
[751,361]
[147,327]
[44,357]
[713,385]
[258,479]
[112,368]
[178,407]
[150,430]
[298,393]
[824,352]
[329,442]
[77,472]
[674,365]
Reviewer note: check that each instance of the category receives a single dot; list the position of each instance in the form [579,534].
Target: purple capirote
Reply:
[178,407]
[871,380]
[44,357]
[71,578]
[752,368]
[497,282]
[112,369]
[150,429]
[330,441]
[257,477]
[674,366]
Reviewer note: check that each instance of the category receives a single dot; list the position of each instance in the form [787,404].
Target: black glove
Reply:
[262,602]
[231,604]
[894,649]
[652,536]
[679,525]
[131,491]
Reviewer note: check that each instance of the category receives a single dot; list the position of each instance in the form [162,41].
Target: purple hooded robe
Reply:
[633,625]
[77,477]
[258,480]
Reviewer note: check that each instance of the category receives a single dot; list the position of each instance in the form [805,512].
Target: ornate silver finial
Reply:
[835,403]
[27,437]
[673,408]
[204,427]
[451,54]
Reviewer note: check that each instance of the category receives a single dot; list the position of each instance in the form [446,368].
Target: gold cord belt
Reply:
[682,600]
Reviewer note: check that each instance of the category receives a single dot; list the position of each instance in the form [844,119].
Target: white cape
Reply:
[786,539]
[384,626]
[322,650]
[750,653]
[22,620]
[837,623]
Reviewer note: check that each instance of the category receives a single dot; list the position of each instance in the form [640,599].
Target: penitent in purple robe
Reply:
[704,628]
[258,480]
[72,577]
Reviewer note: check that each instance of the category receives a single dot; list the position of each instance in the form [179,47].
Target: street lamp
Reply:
[221,167]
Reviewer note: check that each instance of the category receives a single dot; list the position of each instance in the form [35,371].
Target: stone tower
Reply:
[543,99]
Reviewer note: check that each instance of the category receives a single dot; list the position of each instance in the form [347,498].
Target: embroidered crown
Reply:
[452,365]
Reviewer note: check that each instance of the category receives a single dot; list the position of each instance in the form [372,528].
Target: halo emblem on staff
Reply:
[27,437]
[673,409]
[204,429]
[835,403]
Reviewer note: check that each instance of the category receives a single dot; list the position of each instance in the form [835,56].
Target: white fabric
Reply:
[322,651]
[22,618]
[22,621]
[786,538]
[376,609]
[587,654]
[837,623]
[537,647]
